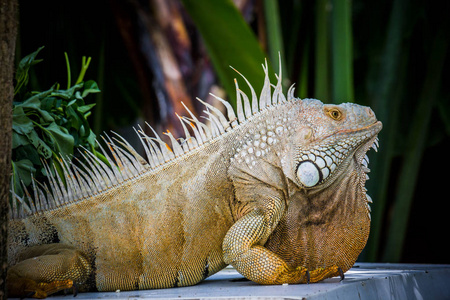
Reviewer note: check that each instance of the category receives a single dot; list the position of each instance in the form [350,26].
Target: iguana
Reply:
[275,188]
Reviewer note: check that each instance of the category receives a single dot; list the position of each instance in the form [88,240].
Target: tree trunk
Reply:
[8,33]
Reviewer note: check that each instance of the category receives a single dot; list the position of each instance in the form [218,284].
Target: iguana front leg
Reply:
[243,248]
[47,269]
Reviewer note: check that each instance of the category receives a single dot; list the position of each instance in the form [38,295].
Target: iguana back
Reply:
[275,188]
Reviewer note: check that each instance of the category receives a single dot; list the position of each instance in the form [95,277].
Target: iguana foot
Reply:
[319,274]
[26,288]
[47,269]
[259,264]
[56,286]
[304,275]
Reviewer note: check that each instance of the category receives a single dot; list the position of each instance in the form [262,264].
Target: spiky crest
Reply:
[124,163]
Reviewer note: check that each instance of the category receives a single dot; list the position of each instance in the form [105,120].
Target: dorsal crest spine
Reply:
[123,163]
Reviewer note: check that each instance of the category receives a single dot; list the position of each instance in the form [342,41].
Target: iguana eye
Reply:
[334,113]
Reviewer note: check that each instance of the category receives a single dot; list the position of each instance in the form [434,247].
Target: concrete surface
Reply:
[363,281]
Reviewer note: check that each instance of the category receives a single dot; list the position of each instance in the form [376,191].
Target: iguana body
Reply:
[277,191]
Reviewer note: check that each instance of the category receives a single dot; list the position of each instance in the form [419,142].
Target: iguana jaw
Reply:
[370,142]
[319,166]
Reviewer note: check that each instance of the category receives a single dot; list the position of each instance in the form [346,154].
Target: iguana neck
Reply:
[313,212]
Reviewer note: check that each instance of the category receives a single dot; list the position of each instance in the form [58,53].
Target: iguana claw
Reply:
[29,295]
[74,290]
[341,273]
[308,277]
[321,274]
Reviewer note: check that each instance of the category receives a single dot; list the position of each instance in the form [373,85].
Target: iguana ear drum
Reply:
[308,173]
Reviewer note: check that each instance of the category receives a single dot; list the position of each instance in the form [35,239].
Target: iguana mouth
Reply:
[318,164]
[371,142]
[370,130]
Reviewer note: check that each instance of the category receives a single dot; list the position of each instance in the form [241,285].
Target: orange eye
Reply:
[335,114]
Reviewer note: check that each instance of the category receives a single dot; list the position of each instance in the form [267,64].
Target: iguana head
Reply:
[331,142]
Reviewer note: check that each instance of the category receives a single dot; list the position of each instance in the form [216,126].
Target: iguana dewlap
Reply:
[275,188]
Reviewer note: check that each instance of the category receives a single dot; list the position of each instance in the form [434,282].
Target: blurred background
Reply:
[148,55]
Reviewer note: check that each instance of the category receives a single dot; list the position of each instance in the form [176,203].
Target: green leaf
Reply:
[91,139]
[27,152]
[57,164]
[219,21]
[85,131]
[42,148]
[74,119]
[22,170]
[78,96]
[34,103]
[62,139]
[19,140]
[90,87]
[72,102]
[85,108]
[23,68]
[102,158]
[67,94]
[21,123]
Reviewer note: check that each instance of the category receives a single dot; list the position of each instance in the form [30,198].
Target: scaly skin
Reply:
[280,197]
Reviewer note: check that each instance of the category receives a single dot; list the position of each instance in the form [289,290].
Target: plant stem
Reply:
[68,70]
[303,78]
[84,67]
[322,82]
[342,43]
[274,34]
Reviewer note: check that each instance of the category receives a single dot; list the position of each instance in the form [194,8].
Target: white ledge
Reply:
[363,281]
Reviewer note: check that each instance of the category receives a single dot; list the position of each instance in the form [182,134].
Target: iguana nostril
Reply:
[370,112]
